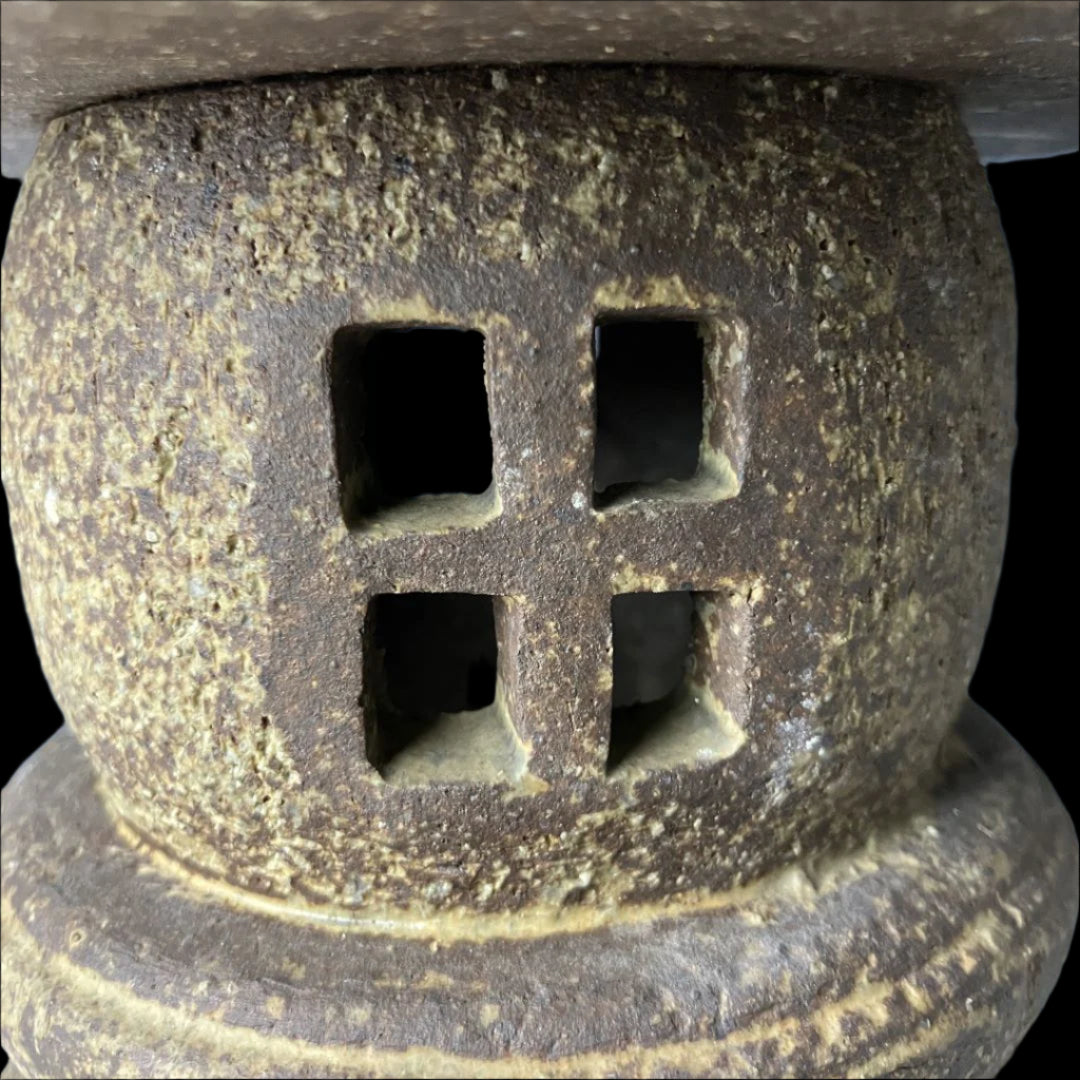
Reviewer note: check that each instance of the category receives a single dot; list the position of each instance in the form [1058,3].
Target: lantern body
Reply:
[331,859]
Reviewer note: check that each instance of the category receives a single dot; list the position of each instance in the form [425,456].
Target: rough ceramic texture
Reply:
[1013,64]
[925,951]
[177,271]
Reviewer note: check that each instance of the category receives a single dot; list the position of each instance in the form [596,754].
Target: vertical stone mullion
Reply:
[558,682]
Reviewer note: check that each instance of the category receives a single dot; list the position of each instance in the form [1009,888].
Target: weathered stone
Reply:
[775,878]
[1011,64]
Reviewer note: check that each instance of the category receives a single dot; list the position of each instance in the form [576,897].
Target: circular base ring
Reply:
[928,951]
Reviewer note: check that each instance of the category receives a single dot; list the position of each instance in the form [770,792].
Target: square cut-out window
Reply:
[664,706]
[412,431]
[670,408]
[650,386]
[432,703]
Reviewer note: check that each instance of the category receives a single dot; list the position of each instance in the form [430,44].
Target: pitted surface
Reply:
[176,272]
[1012,63]
[926,951]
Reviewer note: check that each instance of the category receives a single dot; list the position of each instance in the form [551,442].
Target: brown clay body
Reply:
[181,284]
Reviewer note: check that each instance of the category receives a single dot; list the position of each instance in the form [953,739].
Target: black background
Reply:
[1018,678]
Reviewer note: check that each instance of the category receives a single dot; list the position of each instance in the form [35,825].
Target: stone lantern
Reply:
[509,497]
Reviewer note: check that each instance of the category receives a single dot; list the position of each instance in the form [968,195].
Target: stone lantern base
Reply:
[926,951]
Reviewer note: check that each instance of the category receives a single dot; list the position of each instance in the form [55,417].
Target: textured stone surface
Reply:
[177,274]
[176,271]
[1012,63]
[926,951]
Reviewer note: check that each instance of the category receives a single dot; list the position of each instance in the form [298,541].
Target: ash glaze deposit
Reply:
[176,271]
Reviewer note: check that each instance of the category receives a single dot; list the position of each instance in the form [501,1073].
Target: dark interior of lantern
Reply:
[652,642]
[431,705]
[650,387]
[411,416]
